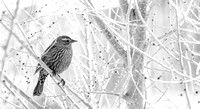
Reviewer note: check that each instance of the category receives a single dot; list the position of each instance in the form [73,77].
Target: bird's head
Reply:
[65,41]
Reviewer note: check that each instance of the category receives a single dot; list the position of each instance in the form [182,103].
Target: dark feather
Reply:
[57,57]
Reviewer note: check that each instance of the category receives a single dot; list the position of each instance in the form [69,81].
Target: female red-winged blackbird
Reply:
[57,57]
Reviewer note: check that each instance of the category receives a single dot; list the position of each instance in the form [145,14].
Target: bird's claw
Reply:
[62,82]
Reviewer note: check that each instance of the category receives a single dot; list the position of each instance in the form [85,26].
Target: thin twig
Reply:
[5,100]
[22,93]
[9,35]
[2,76]
[181,58]
[14,95]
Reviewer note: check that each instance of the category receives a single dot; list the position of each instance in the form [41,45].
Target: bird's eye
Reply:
[66,39]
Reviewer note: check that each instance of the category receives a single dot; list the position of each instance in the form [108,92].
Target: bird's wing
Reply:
[38,68]
[44,56]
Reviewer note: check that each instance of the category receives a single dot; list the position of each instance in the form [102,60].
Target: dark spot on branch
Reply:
[126,94]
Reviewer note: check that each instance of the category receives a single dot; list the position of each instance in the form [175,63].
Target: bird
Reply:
[57,57]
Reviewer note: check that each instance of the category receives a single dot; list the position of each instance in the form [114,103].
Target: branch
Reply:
[2,76]
[124,7]
[9,35]
[181,59]
[21,93]
[135,90]
[111,38]
[108,34]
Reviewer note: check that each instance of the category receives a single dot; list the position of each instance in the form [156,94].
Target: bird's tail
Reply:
[39,87]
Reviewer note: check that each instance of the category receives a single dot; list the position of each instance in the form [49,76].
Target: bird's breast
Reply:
[64,60]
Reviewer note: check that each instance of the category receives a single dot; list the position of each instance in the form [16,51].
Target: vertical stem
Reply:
[181,57]
[134,95]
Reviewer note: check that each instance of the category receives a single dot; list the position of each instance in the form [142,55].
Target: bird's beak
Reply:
[74,41]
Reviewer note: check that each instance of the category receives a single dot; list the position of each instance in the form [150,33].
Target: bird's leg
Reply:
[62,82]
